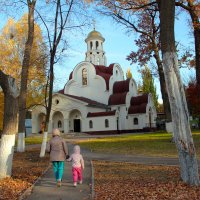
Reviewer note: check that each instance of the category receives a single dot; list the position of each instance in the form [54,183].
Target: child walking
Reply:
[77,165]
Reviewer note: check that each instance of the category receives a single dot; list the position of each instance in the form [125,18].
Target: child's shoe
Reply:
[80,182]
[59,183]
[75,184]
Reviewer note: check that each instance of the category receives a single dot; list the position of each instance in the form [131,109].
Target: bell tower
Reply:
[95,53]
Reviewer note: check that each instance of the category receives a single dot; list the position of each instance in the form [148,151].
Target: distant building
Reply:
[97,99]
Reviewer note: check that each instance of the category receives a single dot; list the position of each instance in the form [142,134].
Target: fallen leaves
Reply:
[27,167]
[118,181]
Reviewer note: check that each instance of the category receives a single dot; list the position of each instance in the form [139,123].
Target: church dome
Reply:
[94,35]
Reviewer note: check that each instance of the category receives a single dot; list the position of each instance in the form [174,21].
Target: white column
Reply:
[50,126]
[66,125]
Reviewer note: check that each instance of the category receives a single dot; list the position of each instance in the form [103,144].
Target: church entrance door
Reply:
[77,125]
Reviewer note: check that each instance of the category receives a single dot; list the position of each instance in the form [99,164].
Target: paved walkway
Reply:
[46,188]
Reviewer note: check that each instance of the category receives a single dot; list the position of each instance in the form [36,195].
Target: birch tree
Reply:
[180,116]
[10,123]
[67,15]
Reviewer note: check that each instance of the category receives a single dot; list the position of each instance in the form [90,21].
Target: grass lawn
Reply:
[117,181]
[151,144]
[37,139]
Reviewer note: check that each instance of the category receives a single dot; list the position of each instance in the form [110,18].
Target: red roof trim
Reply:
[101,114]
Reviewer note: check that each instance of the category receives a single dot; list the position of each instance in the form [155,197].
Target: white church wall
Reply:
[95,88]
[141,121]
[99,123]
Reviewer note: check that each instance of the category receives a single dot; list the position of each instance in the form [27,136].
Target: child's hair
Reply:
[77,149]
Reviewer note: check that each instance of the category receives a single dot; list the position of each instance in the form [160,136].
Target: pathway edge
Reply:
[28,191]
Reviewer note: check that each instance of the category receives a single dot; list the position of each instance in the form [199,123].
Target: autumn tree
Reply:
[193,99]
[143,20]
[129,74]
[12,42]
[180,116]
[192,7]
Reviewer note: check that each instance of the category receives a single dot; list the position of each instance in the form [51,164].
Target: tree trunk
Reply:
[180,116]
[163,88]
[24,77]
[10,123]
[48,107]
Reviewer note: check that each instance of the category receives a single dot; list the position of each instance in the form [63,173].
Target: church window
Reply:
[91,45]
[90,124]
[97,52]
[59,124]
[84,76]
[116,72]
[135,121]
[106,123]
[97,44]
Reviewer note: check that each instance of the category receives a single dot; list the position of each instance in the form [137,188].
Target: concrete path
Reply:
[46,188]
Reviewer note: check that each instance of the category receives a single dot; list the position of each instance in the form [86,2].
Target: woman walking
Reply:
[58,152]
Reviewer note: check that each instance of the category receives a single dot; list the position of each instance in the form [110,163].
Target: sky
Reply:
[118,44]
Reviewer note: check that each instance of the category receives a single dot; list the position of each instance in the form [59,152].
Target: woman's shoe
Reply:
[80,182]
[75,184]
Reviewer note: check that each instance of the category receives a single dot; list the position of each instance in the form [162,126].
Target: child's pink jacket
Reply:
[76,158]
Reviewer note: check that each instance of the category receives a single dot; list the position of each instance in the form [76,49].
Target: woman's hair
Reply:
[56,132]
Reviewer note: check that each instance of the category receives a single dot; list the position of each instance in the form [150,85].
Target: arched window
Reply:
[84,76]
[97,44]
[91,45]
[59,124]
[135,121]
[106,123]
[90,124]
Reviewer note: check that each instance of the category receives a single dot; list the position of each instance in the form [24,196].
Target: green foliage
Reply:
[148,85]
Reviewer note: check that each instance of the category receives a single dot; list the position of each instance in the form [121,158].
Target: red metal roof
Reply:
[138,104]
[117,99]
[139,99]
[101,114]
[121,86]
[137,109]
[105,72]
[120,89]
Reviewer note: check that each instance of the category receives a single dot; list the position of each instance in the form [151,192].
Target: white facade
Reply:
[97,99]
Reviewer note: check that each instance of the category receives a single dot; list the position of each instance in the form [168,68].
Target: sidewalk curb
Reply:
[92,184]
[28,191]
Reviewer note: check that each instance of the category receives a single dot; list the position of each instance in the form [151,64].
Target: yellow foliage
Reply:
[128,74]
[12,44]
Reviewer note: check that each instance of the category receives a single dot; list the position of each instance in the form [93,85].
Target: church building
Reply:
[96,98]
